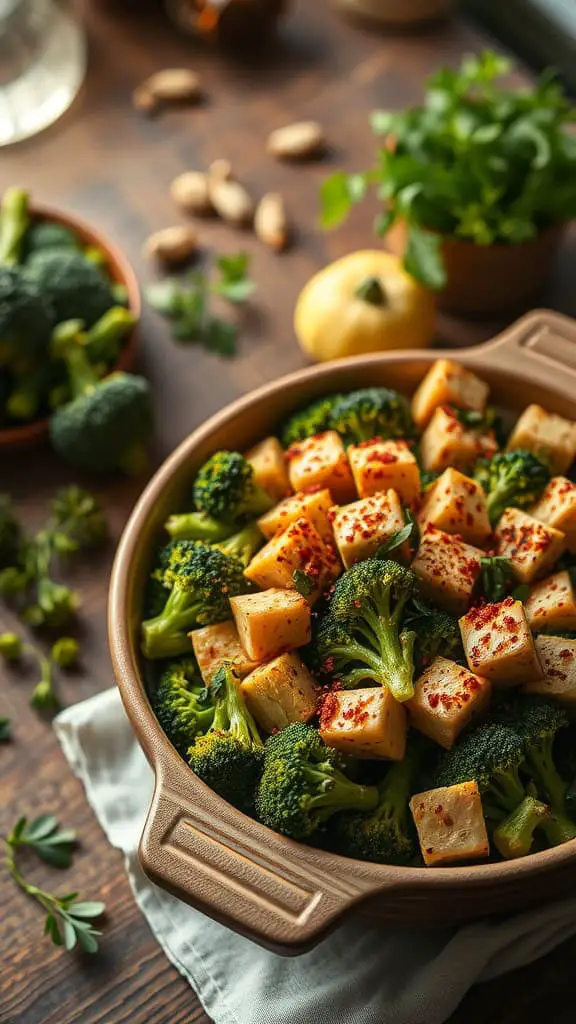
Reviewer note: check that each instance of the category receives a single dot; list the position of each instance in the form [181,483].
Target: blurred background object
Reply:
[42,65]
[396,12]
[238,23]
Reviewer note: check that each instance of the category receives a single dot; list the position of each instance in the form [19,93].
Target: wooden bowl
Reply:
[30,434]
[281,893]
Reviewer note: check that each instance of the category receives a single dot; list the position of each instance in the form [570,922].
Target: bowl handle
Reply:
[541,344]
[263,886]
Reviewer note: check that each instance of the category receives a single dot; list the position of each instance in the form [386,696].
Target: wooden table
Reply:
[113,166]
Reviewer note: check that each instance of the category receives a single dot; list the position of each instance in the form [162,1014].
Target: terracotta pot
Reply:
[390,12]
[31,434]
[486,279]
[281,893]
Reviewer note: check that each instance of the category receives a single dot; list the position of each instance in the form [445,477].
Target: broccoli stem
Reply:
[396,649]
[336,792]
[504,794]
[541,766]
[197,526]
[559,829]
[395,790]
[243,545]
[241,723]
[166,635]
[81,374]
[514,836]
[14,223]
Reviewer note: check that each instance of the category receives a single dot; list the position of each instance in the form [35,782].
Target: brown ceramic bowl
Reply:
[31,434]
[281,893]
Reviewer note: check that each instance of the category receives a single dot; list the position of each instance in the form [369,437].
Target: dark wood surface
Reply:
[114,167]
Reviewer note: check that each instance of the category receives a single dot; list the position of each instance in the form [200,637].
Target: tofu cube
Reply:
[557,657]
[446,698]
[450,824]
[549,437]
[271,622]
[280,692]
[557,508]
[314,507]
[299,548]
[447,383]
[269,464]
[365,723]
[529,545]
[360,528]
[215,644]
[448,569]
[446,442]
[457,504]
[499,645]
[321,462]
[551,604]
[385,465]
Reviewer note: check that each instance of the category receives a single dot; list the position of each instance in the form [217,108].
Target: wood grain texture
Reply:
[114,167]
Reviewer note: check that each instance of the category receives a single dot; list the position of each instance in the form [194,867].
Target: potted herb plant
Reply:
[477,184]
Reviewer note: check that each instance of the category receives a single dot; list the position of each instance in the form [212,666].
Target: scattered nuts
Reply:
[220,170]
[171,245]
[231,201]
[270,221]
[173,85]
[297,141]
[190,192]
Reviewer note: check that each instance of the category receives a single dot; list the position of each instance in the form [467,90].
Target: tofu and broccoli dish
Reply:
[362,632]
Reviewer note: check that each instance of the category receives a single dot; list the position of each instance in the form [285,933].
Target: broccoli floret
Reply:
[200,580]
[244,544]
[14,221]
[514,478]
[437,635]
[312,419]
[229,756]
[372,412]
[45,234]
[515,835]
[386,835]
[183,705]
[368,641]
[26,319]
[74,286]
[226,490]
[303,786]
[10,532]
[197,526]
[107,423]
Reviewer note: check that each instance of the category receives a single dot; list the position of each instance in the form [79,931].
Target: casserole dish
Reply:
[278,892]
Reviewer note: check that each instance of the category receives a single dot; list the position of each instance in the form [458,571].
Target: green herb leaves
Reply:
[45,838]
[302,582]
[186,303]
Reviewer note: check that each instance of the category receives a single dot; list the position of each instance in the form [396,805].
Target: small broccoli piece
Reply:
[45,234]
[103,341]
[14,221]
[229,756]
[182,704]
[73,286]
[107,423]
[387,834]
[303,785]
[10,532]
[197,526]
[244,544]
[368,605]
[514,836]
[437,635]
[200,580]
[312,419]
[514,478]
[225,489]
[26,319]
[372,412]
[77,520]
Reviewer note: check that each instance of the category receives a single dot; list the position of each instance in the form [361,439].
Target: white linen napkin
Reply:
[361,974]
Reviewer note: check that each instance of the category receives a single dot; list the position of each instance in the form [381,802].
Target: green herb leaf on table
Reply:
[5,730]
[46,839]
[234,284]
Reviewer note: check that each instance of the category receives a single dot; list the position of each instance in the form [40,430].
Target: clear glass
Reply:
[42,65]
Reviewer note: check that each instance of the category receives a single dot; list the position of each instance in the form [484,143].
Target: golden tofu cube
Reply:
[557,508]
[215,644]
[557,656]
[269,464]
[446,442]
[448,569]
[549,437]
[321,462]
[281,692]
[365,723]
[299,548]
[271,622]
[313,506]
[446,698]
[360,528]
[447,383]
[498,643]
[450,824]
[383,466]
[457,504]
[529,545]
[551,604]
